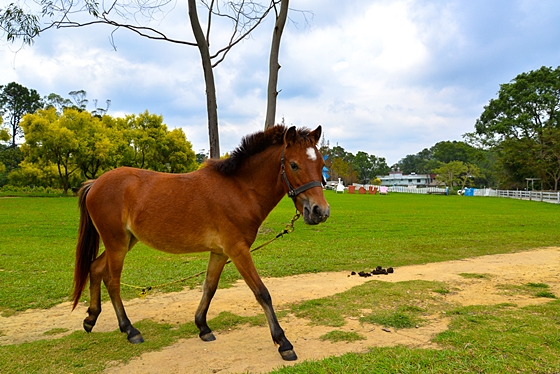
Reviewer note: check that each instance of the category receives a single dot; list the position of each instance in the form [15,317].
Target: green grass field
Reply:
[37,239]
[38,235]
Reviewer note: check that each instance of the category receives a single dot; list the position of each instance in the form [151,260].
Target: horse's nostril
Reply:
[318,212]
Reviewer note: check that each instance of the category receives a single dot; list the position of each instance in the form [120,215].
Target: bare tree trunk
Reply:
[211,104]
[274,66]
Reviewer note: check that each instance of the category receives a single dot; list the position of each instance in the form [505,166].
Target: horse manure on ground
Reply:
[377,271]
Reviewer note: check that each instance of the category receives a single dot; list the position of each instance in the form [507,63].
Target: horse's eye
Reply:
[294,166]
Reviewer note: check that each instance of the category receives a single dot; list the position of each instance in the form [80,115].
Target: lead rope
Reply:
[287,230]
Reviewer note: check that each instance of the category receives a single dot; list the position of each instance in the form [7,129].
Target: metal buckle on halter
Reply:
[293,192]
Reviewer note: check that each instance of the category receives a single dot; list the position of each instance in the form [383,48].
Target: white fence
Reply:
[425,190]
[550,197]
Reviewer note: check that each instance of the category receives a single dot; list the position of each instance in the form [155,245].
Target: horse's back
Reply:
[170,212]
[139,186]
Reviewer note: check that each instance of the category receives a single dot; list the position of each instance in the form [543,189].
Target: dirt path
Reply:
[251,350]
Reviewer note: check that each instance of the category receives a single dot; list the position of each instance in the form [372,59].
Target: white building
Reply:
[397,178]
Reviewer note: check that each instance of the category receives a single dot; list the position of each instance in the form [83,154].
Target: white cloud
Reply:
[385,77]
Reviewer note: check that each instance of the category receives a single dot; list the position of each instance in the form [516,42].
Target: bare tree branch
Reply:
[209,22]
[245,16]
[234,41]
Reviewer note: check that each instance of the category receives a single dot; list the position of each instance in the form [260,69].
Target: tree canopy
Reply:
[516,137]
[522,126]
[15,101]
[81,145]
[362,167]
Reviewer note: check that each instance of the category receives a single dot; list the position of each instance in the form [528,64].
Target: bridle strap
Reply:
[293,192]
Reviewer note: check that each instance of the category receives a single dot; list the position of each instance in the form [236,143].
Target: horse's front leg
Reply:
[244,263]
[215,266]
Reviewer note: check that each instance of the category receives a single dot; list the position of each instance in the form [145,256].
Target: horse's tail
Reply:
[87,247]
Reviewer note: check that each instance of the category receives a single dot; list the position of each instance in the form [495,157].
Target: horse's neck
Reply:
[262,173]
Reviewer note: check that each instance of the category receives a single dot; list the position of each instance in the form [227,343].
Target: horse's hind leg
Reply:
[246,267]
[115,261]
[98,271]
[215,266]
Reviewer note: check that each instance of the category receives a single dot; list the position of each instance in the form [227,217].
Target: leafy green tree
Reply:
[150,145]
[50,138]
[119,132]
[80,99]
[10,158]
[178,155]
[95,148]
[39,173]
[79,102]
[551,137]
[471,172]
[363,166]
[448,151]
[379,166]
[4,134]
[338,152]
[449,173]
[16,101]
[420,163]
[56,101]
[429,159]
[516,161]
[367,167]
[146,133]
[82,145]
[515,125]
[425,161]
[201,157]
[339,169]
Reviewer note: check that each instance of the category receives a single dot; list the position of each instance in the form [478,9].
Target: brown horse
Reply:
[218,208]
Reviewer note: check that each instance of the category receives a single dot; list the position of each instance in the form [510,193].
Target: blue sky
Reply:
[386,77]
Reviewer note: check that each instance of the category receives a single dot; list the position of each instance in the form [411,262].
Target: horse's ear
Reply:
[290,136]
[316,134]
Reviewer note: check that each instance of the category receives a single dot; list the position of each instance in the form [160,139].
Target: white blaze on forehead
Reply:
[311,153]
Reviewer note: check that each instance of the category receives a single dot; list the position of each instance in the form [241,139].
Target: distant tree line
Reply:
[522,129]
[516,137]
[455,163]
[64,144]
[360,168]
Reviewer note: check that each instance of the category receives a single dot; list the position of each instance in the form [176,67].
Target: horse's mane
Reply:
[255,143]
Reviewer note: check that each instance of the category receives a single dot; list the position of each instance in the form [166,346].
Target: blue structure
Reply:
[326,175]
[469,191]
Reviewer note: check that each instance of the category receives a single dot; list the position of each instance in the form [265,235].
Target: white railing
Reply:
[424,190]
[550,197]
[485,192]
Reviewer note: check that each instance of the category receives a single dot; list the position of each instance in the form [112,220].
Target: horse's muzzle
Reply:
[313,215]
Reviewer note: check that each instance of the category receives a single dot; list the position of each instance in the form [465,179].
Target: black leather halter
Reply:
[293,192]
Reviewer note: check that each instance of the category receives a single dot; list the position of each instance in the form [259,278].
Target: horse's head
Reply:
[302,173]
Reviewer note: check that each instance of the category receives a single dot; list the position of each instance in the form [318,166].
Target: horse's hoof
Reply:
[88,327]
[288,355]
[136,339]
[208,337]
